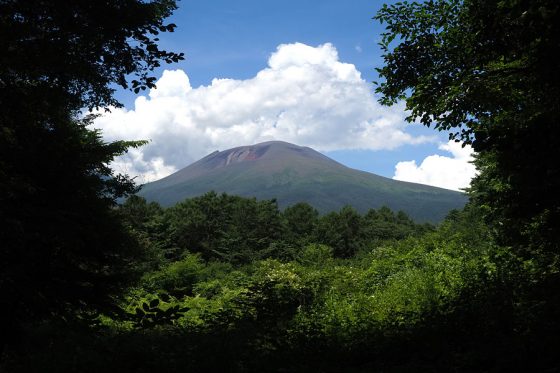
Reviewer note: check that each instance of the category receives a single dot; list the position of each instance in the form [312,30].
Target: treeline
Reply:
[233,284]
[241,230]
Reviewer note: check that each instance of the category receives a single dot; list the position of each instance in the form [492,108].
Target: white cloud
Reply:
[305,96]
[453,172]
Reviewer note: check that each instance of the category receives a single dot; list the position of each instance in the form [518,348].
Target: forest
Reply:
[94,278]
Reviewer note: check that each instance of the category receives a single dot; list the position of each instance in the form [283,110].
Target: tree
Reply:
[342,231]
[229,228]
[81,49]
[140,214]
[145,222]
[300,220]
[63,246]
[486,72]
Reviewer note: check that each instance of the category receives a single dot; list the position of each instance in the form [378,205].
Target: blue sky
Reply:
[235,40]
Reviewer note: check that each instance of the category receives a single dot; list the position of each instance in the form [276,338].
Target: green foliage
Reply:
[177,277]
[230,228]
[81,48]
[141,215]
[448,297]
[315,255]
[383,224]
[485,71]
[63,245]
[341,231]
[64,248]
[155,312]
[301,221]
[240,230]
[233,284]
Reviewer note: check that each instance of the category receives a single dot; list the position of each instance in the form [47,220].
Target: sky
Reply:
[296,71]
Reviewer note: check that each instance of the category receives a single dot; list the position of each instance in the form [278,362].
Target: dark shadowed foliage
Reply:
[63,248]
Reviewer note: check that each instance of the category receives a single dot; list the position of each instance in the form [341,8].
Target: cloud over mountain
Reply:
[453,172]
[306,95]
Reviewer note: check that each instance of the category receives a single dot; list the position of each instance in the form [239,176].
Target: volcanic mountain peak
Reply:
[265,150]
[242,153]
[291,173]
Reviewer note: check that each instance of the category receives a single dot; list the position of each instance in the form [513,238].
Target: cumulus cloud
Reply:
[306,96]
[453,172]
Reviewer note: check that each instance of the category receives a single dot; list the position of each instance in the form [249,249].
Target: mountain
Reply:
[292,174]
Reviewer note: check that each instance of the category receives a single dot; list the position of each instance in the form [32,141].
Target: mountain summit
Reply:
[292,174]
